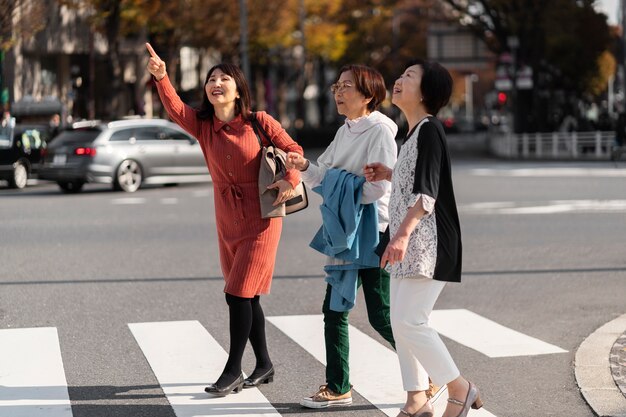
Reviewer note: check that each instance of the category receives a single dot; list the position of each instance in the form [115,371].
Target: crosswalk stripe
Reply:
[184,358]
[374,368]
[486,336]
[32,379]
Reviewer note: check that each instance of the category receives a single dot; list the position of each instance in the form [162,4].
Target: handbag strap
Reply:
[256,126]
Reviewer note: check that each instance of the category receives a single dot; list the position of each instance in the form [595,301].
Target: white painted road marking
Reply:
[547,207]
[32,379]
[486,336]
[374,368]
[185,358]
[169,200]
[128,201]
[548,172]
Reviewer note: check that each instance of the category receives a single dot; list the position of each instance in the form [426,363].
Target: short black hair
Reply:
[436,85]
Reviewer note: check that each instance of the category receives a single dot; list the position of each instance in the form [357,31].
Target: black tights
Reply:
[247,321]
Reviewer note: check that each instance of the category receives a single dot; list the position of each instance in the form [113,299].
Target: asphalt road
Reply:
[544,255]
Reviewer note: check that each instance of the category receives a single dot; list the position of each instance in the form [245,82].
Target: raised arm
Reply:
[179,112]
[156,66]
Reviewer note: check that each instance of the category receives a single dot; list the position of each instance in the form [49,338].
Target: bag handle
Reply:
[256,126]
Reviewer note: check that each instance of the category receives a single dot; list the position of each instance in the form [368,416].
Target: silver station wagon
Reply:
[125,154]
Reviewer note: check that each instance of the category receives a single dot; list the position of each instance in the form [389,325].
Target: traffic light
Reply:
[502,97]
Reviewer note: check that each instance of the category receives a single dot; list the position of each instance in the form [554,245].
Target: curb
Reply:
[592,369]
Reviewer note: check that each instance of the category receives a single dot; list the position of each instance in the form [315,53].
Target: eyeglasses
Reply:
[340,86]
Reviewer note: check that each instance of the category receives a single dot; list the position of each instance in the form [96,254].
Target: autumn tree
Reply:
[18,20]
[561,40]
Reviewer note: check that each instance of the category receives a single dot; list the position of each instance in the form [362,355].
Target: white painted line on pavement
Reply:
[201,193]
[486,336]
[548,207]
[169,200]
[549,172]
[374,368]
[128,200]
[185,358]
[32,379]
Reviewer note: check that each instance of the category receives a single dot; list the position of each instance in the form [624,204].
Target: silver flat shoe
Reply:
[471,401]
[427,410]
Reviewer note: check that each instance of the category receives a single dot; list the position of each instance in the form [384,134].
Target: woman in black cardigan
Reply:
[424,252]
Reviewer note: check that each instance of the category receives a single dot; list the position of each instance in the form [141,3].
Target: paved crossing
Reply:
[484,208]
[486,336]
[184,357]
[32,379]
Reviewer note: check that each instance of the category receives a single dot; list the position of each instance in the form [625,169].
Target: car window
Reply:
[174,134]
[76,136]
[149,133]
[5,138]
[121,135]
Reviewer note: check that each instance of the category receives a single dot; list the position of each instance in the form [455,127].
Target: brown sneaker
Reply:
[327,398]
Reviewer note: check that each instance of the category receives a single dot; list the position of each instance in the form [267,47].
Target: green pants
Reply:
[375,283]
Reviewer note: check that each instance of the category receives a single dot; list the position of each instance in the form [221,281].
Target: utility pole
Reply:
[622,63]
[513,43]
[301,81]
[243,40]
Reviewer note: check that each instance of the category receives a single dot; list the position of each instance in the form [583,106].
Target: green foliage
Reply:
[20,21]
[564,38]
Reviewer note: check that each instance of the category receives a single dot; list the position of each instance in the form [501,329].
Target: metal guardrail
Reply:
[554,145]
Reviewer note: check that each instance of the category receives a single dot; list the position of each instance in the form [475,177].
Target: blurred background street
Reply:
[106,296]
[544,256]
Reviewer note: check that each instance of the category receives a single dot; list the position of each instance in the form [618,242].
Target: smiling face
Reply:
[350,102]
[221,89]
[407,92]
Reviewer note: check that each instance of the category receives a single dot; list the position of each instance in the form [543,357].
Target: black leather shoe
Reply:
[266,378]
[235,387]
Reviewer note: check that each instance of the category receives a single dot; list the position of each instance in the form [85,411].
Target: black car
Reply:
[21,151]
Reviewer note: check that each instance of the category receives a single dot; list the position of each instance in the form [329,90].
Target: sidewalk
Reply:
[600,369]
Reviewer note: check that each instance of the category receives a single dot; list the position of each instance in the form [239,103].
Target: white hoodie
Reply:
[358,142]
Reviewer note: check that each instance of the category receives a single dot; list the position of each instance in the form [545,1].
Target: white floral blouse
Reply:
[421,255]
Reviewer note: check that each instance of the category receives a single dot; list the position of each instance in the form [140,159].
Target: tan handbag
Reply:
[273,169]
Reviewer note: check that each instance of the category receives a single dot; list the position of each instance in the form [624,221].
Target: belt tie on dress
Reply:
[234,195]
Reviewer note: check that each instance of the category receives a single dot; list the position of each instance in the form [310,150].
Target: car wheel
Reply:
[20,176]
[128,176]
[71,187]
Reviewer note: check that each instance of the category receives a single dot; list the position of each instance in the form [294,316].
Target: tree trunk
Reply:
[112,31]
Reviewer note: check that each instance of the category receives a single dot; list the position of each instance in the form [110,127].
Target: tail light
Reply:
[85,151]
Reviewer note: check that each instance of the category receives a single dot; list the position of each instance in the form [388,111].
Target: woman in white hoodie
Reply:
[367,136]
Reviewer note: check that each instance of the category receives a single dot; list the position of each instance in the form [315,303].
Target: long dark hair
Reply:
[242,104]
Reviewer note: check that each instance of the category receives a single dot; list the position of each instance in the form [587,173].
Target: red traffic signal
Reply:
[502,98]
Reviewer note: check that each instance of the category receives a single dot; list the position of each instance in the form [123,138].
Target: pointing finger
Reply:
[151,51]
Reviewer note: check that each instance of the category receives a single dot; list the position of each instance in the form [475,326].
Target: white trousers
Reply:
[420,349]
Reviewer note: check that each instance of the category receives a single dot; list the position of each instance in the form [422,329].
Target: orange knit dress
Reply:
[247,243]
